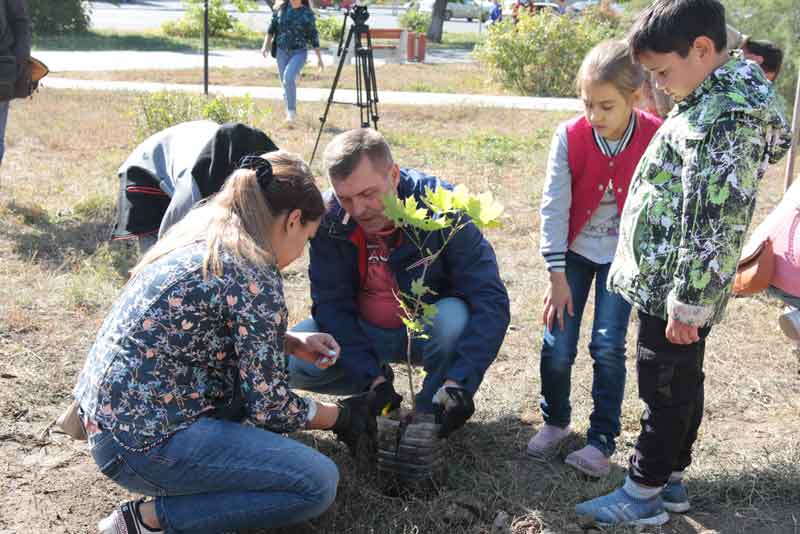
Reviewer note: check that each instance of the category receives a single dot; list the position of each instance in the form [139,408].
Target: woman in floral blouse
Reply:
[295,28]
[184,394]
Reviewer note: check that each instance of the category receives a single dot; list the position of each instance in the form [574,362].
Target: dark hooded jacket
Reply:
[152,178]
[15,30]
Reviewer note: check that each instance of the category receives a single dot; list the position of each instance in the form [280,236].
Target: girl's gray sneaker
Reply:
[546,441]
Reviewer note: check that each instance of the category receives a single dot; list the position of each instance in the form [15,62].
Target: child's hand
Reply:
[681,333]
[557,298]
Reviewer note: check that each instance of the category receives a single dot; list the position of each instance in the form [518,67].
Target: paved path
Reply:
[321,95]
[60,61]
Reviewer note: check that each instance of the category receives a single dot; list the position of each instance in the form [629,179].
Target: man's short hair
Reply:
[672,26]
[772,54]
[344,153]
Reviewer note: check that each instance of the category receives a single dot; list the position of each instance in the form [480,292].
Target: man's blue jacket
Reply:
[467,269]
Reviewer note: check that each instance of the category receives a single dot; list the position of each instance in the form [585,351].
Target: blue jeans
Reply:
[607,348]
[436,354]
[3,122]
[219,475]
[290,63]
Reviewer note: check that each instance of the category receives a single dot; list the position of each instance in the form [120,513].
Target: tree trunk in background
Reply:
[437,21]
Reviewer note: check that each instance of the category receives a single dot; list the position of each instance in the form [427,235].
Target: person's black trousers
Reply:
[670,379]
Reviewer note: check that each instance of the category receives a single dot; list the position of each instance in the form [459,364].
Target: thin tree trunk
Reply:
[436,28]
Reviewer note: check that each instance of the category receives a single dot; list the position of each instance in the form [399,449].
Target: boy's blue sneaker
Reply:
[675,497]
[620,509]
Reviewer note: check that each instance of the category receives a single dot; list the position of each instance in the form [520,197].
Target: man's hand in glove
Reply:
[382,397]
[354,423]
[452,405]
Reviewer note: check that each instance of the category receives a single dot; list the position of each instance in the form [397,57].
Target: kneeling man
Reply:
[359,261]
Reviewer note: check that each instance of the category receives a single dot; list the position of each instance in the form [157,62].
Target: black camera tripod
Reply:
[366,84]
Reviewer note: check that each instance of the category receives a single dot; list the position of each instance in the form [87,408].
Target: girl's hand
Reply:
[314,347]
[557,298]
[320,64]
[264,51]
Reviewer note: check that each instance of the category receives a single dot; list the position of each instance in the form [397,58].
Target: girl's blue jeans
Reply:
[217,476]
[607,348]
[290,63]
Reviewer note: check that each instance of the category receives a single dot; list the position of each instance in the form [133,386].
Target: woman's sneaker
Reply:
[620,509]
[547,440]
[125,520]
[676,498]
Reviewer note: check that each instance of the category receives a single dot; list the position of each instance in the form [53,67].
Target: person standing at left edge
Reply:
[15,41]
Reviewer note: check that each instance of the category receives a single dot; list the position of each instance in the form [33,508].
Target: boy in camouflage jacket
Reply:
[681,233]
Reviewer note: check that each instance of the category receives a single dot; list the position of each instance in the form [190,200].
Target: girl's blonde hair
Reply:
[240,217]
[611,62]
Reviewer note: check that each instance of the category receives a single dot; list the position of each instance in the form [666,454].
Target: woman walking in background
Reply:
[294,27]
[591,162]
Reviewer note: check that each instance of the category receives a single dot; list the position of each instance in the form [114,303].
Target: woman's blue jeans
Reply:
[217,476]
[3,121]
[607,348]
[290,63]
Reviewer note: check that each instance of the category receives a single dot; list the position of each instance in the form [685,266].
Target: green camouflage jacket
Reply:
[692,196]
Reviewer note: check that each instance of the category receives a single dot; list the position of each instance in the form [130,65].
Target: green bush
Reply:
[329,28]
[220,22]
[541,54]
[414,21]
[52,17]
[157,111]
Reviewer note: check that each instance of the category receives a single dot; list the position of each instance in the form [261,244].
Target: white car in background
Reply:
[577,7]
[459,9]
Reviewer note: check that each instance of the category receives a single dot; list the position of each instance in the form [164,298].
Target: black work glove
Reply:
[384,394]
[452,406]
[355,424]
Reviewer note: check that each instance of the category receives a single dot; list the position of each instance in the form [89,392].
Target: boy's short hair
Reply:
[772,54]
[672,26]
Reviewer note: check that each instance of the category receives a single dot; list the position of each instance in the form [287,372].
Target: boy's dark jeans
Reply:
[670,381]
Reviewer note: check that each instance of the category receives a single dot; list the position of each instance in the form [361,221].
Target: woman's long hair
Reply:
[239,219]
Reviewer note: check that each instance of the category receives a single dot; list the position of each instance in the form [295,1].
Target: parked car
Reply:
[577,7]
[458,9]
[335,4]
[534,7]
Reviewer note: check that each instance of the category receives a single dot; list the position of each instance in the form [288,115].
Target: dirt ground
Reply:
[59,275]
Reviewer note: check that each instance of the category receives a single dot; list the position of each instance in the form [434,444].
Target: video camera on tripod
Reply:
[366,83]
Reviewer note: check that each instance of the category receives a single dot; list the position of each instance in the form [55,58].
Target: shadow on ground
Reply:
[59,242]
[489,472]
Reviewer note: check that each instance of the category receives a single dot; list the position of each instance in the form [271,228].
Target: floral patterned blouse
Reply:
[171,346]
[295,28]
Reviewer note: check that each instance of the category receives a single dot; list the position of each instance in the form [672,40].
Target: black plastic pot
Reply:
[410,455]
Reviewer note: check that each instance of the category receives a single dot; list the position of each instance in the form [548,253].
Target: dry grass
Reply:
[57,190]
[446,78]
